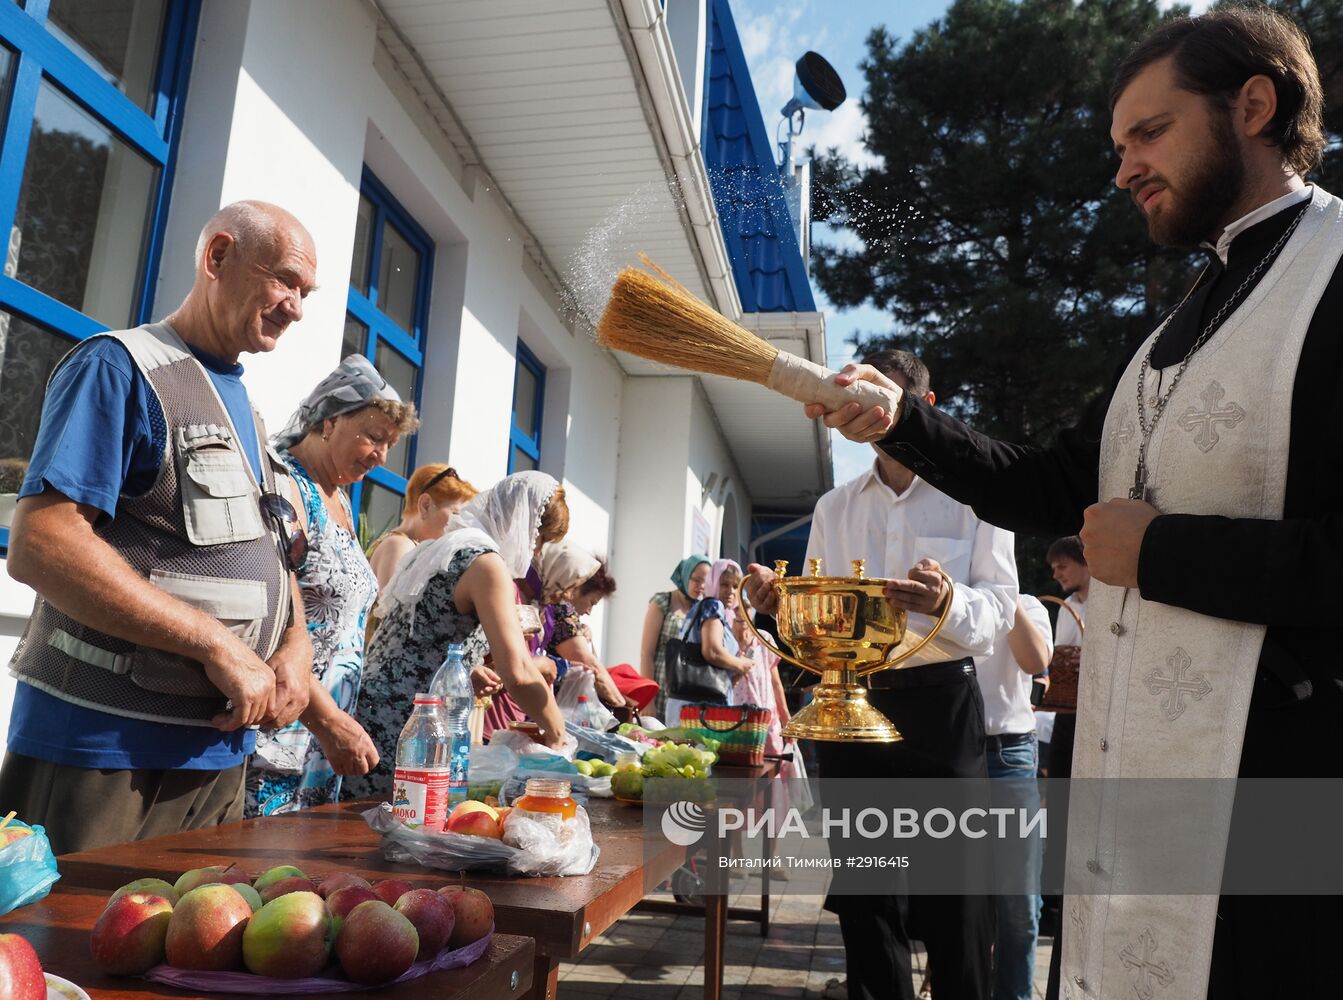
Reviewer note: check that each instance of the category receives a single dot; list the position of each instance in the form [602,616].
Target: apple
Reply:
[285,886]
[129,937]
[391,889]
[474,913]
[153,886]
[433,917]
[342,901]
[341,880]
[289,937]
[503,816]
[20,972]
[274,875]
[206,930]
[376,944]
[198,877]
[470,806]
[253,897]
[10,834]
[475,824]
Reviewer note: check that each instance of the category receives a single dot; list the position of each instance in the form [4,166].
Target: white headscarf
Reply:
[565,565]
[354,384]
[505,519]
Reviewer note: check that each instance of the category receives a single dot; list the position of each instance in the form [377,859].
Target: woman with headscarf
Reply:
[663,621]
[344,428]
[459,590]
[709,625]
[574,581]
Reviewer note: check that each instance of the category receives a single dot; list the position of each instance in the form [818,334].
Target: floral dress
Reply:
[289,770]
[672,622]
[406,652]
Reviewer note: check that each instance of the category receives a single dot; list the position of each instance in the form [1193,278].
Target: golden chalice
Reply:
[844,629]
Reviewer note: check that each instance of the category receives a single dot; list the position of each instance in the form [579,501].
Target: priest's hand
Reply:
[760,589]
[1112,535]
[924,593]
[851,420]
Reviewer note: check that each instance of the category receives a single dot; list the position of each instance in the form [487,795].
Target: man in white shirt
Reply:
[1019,654]
[906,530]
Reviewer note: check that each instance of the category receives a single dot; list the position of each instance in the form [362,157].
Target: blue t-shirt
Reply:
[98,396]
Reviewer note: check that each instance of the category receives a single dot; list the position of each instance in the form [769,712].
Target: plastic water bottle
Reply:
[583,714]
[452,684]
[420,782]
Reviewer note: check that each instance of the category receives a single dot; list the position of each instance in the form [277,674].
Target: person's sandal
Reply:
[835,990]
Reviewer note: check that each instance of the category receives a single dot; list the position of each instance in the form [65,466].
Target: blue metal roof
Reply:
[766,261]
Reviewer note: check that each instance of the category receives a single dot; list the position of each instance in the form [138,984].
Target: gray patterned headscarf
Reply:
[353,385]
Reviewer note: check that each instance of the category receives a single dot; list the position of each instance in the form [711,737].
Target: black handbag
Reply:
[690,677]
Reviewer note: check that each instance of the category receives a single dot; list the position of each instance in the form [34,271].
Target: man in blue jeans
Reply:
[1004,676]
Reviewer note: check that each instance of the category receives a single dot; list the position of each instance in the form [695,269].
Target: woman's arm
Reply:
[648,645]
[386,556]
[579,650]
[487,592]
[711,645]
[347,747]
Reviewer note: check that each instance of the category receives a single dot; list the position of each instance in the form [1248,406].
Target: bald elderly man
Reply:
[152,526]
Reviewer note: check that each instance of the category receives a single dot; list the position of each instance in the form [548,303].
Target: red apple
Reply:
[391,889]
[198,877]
[129,937]
[289,937]
[340,880]
[433,917]
[206,930]
[474,913]
[10,834]
[476,823]
[152,886]
[376,944]
[274,875]
[285,886]
[342,901]
[20,972]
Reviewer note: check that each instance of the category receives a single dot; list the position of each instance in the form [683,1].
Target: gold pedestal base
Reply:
[840,712]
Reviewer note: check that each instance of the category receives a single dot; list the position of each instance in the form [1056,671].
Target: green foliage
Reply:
[991,230]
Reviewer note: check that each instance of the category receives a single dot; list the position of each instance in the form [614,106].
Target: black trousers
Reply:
[943,729]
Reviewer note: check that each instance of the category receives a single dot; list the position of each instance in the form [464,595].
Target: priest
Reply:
[1204,487]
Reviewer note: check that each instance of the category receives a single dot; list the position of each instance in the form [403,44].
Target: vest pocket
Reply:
[240,605]
[219,503]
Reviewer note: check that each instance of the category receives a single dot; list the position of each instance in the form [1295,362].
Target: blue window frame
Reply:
[91,103]
[529,397]
[386,320]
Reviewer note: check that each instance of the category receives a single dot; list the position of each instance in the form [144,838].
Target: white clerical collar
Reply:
[1223,246]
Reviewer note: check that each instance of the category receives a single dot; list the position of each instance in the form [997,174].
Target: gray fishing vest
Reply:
[198,534]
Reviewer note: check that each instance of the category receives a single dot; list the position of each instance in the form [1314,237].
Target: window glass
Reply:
[83,212]
[379,509]
[6,59]
[119,39]
[522,462]
[524,400]
[356,336]
[400,373]
[363,232]
[398,279]
[28,353]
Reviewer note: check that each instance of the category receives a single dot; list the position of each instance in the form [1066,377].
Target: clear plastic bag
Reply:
[27,869]
[522,744]
[582,683]
[489,768]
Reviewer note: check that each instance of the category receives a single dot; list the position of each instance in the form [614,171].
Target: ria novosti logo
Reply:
[683,823]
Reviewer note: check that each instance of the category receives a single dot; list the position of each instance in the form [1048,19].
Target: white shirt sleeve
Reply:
[1066,632]
[984,606]
[815,538]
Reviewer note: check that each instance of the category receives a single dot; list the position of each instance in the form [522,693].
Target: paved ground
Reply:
[647,957]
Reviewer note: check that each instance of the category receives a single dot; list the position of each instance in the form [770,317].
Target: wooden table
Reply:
[561,914]
[58,928]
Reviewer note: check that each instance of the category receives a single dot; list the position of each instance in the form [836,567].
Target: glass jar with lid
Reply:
[546,803]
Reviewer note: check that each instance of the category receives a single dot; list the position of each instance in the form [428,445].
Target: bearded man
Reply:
[1205,490]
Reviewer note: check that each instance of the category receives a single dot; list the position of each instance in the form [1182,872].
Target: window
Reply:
[90,98]
[388,308]
[529,393]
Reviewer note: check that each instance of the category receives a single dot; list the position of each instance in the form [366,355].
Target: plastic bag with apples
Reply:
[27,866]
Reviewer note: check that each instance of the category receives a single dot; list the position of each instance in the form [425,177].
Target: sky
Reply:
[774,35]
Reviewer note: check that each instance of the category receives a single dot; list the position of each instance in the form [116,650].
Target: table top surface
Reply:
[561,913]
[58,928]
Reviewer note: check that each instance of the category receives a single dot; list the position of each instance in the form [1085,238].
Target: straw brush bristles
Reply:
[655,317]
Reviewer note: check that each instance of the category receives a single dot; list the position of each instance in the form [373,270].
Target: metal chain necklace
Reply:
[1139,489]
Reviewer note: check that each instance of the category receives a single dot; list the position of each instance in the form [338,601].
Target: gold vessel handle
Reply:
[741,596]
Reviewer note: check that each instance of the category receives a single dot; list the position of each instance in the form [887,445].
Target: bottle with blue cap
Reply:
[452,684]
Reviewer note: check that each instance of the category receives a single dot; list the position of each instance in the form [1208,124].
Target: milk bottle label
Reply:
[420,797]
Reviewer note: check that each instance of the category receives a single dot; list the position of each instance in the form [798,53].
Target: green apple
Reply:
[274,875]
[151,886]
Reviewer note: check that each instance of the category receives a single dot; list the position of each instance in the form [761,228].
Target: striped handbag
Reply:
[740,729]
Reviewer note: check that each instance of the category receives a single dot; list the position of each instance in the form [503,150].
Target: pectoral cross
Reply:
[1139,490]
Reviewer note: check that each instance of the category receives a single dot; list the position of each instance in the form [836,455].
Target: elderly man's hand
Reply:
[851,420]
[292,664]
[924,592]
[1112,535]
[245,679]
[760,589]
